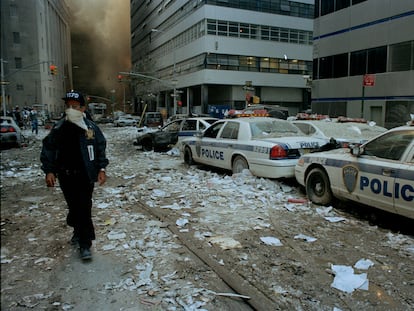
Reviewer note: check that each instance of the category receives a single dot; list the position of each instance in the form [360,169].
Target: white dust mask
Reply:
[76,117]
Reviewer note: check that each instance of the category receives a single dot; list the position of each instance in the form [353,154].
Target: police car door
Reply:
[206,146]
[379,167]
[404,184]
[228,143]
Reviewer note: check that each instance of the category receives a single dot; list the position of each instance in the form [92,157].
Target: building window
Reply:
[233,29]
[401,56]
[211,27]
[16,37]
[377,60]
[398,112]
[340,65]
[325,67]
[244,31]
[342,4]
[13,10]
[358,64]
[18,62]
[265,32]
[222,28]
[327,6]
[357,1]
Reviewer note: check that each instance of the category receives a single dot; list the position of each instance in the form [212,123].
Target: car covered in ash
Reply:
[126,120]
[344,130]
[378,173]
[268,147]
[10,133]
[167,136]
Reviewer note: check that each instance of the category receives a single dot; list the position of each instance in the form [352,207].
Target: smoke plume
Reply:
[100,43]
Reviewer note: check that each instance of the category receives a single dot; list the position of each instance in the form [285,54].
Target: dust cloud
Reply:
[100,31]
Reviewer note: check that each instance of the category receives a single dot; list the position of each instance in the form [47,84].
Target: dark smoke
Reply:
[100,44]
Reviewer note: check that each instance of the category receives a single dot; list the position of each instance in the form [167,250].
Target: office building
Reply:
[364,59]
[202,55]
[35,35]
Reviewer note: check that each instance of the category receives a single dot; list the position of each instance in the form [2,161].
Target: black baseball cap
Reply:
[76,96]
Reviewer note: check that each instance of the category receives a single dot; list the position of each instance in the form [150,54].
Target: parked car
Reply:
[379,173]
[105,119]
[10,133]
[151,119]
[185,116]
[125,120]
[268,147]
[173,132]
[344,132]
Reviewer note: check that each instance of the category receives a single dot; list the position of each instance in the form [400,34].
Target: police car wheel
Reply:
[188,156]
[147,145]
[318,187]
[239,164]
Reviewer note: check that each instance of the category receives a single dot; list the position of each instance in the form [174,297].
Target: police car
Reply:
[379,173]
[268,147]
[345,130]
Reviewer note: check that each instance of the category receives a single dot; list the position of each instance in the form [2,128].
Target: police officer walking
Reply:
[74,152]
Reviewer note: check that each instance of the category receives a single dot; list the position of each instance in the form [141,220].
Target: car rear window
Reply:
[269,128]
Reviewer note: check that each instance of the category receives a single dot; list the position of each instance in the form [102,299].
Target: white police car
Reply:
[268,147]
[380,173]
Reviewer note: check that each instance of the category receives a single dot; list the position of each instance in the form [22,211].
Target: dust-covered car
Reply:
[268,147]
[379,173]
[167,136]
[126,120]
[10,133]
[344,130]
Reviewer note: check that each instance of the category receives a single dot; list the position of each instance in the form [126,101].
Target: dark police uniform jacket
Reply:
[90,146]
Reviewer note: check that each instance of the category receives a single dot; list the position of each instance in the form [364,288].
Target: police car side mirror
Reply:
[356,150]
[199,134]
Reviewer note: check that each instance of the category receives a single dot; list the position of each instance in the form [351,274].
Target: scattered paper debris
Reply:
[345,280]
[225,242]
[363,264]
[268,240]
[305,237]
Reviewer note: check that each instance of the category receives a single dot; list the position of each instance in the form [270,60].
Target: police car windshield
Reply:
[276,128]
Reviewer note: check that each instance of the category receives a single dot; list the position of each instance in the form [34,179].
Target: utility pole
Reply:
[3,87]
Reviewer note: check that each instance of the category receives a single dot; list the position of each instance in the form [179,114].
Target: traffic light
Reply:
[53,70]
[119,78]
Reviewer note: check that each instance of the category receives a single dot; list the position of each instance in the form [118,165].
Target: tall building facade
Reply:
[35,35]
[364,59]
[198,55]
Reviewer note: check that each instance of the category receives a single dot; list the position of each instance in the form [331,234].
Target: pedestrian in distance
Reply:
[34,121]
[74,152]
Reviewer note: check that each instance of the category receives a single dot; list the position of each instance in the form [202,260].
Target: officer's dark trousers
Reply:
[77,191]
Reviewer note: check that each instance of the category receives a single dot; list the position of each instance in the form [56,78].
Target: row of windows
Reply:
[258,64]
[225,28]
[238,63]
[323,7]
[282,7]
[396,57]
[259,32]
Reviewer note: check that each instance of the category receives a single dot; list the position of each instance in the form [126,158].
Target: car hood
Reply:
[298,142]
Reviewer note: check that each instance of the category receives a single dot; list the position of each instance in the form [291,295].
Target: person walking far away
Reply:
[74,152]
[33,119]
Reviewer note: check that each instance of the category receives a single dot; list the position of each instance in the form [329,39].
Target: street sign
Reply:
[248,88]
[369,80]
